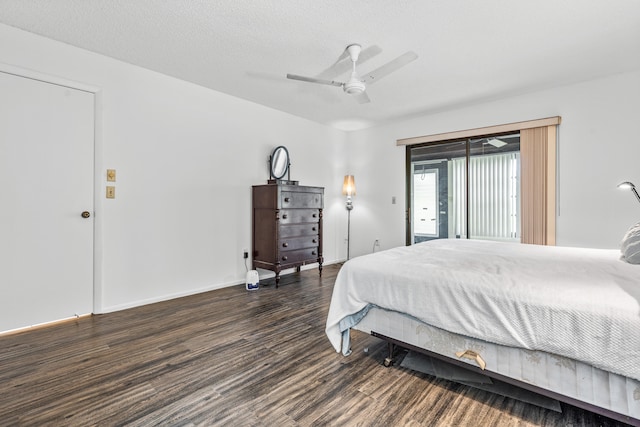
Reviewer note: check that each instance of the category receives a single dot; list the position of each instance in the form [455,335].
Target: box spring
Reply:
[564,379]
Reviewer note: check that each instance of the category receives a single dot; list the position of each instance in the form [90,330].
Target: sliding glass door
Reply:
[464,189]
[433,210]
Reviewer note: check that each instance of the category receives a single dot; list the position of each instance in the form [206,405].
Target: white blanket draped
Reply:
[578,303]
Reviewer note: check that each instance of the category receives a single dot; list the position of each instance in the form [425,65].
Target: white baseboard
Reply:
[264,274]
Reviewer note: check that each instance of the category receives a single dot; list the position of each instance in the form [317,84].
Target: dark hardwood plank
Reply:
[232,357]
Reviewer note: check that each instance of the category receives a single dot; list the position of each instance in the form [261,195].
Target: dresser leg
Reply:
[320,269]
[277,279]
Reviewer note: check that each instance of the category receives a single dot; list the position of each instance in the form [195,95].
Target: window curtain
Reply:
[538,185]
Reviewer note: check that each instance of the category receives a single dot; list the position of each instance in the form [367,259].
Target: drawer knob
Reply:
[286,200]
[285,245]
[313,229]
[313,252]
[314,241]
[315,215]
[284,216]
[284,258]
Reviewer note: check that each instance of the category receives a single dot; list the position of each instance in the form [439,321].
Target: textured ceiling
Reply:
[469,51]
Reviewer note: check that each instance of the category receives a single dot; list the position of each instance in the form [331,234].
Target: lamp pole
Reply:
[349,189]
[349,208]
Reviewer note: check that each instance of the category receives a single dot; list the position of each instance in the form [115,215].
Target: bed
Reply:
[564,322]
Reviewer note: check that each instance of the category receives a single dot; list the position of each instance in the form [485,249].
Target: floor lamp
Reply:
[349,189]
[623,185]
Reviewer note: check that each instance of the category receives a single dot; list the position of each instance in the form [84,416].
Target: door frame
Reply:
[98,177]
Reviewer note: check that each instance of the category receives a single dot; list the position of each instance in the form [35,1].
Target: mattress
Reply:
[561,375]
[576,303]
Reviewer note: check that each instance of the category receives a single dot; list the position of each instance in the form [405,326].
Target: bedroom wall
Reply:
[598,149]
[186,158]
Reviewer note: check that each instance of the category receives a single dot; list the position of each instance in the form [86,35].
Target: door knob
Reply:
[85,214]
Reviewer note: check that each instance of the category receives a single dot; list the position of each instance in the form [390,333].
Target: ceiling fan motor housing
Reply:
[354,86]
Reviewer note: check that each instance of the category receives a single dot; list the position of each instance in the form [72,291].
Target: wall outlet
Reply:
[245,254]
[377,242]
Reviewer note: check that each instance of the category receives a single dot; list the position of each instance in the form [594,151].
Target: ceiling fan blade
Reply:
[368,53]
[341,66]
[314,80]
[362,98]
[389,67]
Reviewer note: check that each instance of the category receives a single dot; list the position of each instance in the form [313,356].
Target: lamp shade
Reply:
[626,185]
[349,186]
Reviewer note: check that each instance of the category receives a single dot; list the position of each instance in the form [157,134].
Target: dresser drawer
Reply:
[296,216]
[293,243]
[308,254]
[296,230]
[290,199]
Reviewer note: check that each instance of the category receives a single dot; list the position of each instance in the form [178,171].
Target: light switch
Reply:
[111,192]
[111,175]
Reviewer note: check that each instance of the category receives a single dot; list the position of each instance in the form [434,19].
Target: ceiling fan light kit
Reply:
[356,85]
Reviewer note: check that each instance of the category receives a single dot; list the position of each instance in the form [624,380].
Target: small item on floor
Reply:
[253,280]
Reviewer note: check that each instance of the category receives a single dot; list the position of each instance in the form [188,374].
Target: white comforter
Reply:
[579,303]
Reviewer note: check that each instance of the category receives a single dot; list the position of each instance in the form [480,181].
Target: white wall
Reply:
[186,158]
[598,148]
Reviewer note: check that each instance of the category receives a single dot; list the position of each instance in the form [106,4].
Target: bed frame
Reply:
[384,325]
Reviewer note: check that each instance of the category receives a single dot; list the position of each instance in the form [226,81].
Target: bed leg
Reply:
[390,359]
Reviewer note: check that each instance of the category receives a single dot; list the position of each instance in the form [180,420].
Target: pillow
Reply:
[630,245]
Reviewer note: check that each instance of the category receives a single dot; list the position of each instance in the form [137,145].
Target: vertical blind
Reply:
[494,193]
[457,204]
[538,148]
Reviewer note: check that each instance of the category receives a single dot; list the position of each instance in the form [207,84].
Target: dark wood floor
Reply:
[232,357]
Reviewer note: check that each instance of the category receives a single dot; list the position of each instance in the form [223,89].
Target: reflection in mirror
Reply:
[279,162]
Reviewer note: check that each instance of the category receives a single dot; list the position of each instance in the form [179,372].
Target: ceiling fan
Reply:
[357,85]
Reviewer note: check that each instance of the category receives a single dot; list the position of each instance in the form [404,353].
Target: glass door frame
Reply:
[409,177]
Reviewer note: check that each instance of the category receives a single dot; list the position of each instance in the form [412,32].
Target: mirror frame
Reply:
[275,165]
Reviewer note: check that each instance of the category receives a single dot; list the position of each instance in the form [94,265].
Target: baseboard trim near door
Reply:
[44,325]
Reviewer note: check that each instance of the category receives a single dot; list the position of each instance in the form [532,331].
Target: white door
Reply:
[46,182]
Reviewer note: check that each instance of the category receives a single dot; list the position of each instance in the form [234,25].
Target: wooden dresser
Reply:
[287,227]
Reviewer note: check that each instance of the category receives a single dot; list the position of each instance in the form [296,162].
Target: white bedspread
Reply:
[574,302]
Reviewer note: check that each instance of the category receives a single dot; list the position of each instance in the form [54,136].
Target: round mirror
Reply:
[279,162]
